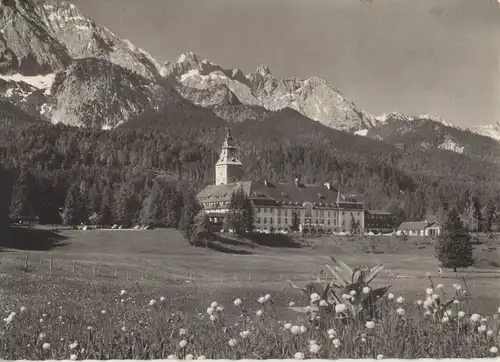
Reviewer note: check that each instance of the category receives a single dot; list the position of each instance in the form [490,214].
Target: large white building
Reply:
[319,208]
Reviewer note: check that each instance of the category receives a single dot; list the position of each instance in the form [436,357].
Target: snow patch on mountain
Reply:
[492,130]
[312,97]
[451,145]
[361,132]
[43,81]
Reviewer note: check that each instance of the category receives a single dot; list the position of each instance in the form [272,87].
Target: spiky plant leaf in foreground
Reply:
[351,287]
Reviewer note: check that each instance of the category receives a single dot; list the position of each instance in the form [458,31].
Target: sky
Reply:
[440,57]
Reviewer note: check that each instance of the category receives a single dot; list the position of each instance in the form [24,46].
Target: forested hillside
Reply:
[144,170]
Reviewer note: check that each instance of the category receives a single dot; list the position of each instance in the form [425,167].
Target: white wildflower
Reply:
[340,308]
[123,292]
[212,318]
[420,302]
[461,314]
[429,291]
[210,310]
[440,286]
[390,296]
[315,297]
[482,328]
[303,329]
[400,300]
[182,332]
[220,308]
[73,345]
[42,336]
[323,303]
[489,333]
[46,346]
[232,342]
[295,329]
[170,356]
[163,299]
[261,300]
[73,357]
[291,304]
[298,355]
[22,309]
[380,356]
[435,297]
[353,293]
[152,302]
[267,297]
[493,350]
[400,311]
[259,312]
[370,324]
[314,348]
[103,311]
[189,356]
[287,326]
[237,302]
[366,290]
[183,343]
[445,319]
[475,317]
[336,342]
[201,357]
[214,305]
[244,334]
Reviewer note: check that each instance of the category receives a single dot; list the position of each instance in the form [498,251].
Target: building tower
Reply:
[228,169]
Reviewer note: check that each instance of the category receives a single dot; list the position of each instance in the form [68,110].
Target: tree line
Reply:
[150,169]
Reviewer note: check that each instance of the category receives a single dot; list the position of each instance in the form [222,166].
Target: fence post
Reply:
[51,261]
[114,273]
[74,267]
[26,262]
[154,275]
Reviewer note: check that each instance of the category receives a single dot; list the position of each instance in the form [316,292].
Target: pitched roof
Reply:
[264,192]
[378,212]
[413,225]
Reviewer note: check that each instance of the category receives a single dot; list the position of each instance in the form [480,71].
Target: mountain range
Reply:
[59,66]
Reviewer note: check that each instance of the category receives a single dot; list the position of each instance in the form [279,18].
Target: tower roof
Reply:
[228,141]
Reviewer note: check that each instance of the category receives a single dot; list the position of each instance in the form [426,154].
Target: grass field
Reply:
[165,254]
[244,270]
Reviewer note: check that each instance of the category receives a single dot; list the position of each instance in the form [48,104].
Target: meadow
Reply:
[73,313]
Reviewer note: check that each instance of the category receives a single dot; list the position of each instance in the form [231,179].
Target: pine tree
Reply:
[22,203]
[105,212]
[191,208]
[454,246]
[125,207]
[295,221]
[248,215]
[72,214]
[240,214]
[488,216]
[354,225]
[201,230]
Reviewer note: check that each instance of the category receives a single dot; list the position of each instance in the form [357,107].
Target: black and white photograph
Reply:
[249,180]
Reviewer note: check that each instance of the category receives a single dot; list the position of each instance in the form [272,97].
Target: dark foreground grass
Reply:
[62,318]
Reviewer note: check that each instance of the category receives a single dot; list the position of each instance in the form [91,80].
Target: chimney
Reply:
[328,185]
[297,182]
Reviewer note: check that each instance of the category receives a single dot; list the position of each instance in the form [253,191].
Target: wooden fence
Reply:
[37,263]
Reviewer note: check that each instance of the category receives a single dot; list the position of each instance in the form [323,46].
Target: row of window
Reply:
[317,213]
[306,221]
